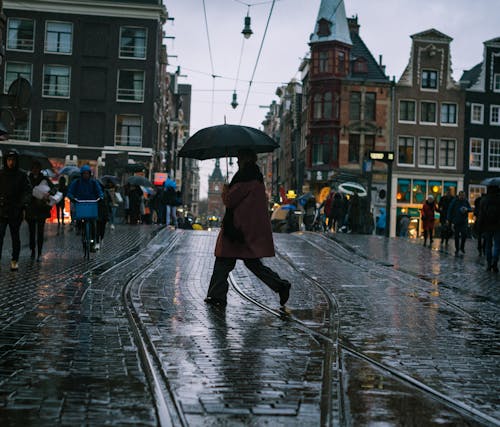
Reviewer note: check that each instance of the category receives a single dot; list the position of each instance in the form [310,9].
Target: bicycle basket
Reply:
[86,210]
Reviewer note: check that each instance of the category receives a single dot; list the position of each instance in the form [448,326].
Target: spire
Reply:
[331,24]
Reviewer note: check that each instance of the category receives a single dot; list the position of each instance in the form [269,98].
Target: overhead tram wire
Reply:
[211,62]
[257,61]
[231,78]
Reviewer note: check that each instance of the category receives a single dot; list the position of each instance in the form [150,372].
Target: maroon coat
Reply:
[249,203]
[428,210]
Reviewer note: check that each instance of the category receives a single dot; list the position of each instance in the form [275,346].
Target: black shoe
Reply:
[215,301]
[462,250]
[285,294]
[32,253]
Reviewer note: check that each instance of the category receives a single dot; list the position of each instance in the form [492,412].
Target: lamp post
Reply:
[386,157]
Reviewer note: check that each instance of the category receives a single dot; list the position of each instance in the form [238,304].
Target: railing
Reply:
[53,136]
[61,89]
[124,140]
[131,94]
[20,44]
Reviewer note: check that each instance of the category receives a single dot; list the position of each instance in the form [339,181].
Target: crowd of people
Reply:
[31,197]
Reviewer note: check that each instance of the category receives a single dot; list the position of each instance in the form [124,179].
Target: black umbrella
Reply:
[491,181]
[225,141]
[27,157]
[139,180]
[110,179]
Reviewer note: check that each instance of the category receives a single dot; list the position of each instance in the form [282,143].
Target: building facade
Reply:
[94,69]
[482,120]
[428,129]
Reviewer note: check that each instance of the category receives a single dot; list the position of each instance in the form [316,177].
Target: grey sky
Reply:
[386,27]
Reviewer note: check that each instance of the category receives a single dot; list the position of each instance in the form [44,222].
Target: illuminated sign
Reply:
[382,156]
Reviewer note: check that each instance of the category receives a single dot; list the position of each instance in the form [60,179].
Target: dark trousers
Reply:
[60,213]
[14,226]
[460,236]
[223,266]
[492,246]
[36,227]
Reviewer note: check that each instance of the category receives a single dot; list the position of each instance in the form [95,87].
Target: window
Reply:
[22,128]
[447,153]
[341,62]
[54,126]
[370,102]
[130,85]
[317,106]
[355,106]
[449,114]
[476,113]
[429,79]
[354,143]
[128,130]
[407,111]
[56,80]
[20,34]
[13,70]
[426,152]
[360,66]
[324,62]
[495,115]
[59,37]
[321,150]
[428,112]
[406,150]
[327,106]
[494,155]
[369,145]
[419,190]
[133,42]
[476,154]
[496,82]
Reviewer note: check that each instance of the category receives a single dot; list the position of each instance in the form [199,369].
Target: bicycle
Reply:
[86,212]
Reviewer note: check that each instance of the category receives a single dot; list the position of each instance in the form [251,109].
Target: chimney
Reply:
[353,24]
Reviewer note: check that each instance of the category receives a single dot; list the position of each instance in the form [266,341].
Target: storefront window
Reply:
[404,191]
[419,191]
[436,189]
[450,185]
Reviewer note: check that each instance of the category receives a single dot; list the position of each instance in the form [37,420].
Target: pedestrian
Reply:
[104,206]
[380,223]
[444,226]
[15,193]
[246,232]
[135,200]
[489,226]
[477,232]
[170,202]
[458,216]
[38,210]
[404,223]
[337,213]
[63,189]
[86,188]
[428,216]
[354,213]
[309,213]
[115,200]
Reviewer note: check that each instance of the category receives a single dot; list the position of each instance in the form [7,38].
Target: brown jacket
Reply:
[249,202]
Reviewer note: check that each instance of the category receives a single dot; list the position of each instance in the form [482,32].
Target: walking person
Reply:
[428,217]
[15,192]
[170,202]
[489,225]
[445,228]
[457,215]
[63,189]
[38,209]
[477,231]
[246,232]
[380,223]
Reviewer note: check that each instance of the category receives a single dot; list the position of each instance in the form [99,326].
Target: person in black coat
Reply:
[63,188]
[458,216]
[38,209]
[15,191]
[489,226]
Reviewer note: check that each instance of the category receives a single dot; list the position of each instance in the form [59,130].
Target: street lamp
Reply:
[247,31]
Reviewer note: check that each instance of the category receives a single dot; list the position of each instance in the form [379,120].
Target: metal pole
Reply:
[389,198]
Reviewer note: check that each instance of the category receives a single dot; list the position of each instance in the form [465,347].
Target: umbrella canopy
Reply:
[27,157]
[352,188]
[491,181]
[281,212]
[110,179]
[139,180]
[68,170]
[225,141]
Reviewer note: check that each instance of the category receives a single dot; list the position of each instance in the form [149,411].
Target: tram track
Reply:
[169,409]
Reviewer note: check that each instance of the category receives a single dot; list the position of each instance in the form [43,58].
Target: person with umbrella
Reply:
[489,225]
[246,232]
[170,200]
[15,193]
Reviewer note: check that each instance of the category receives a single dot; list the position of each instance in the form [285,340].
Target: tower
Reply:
[215,183]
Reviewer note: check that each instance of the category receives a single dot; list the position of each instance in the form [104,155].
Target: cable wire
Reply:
[257,61]
[211,61]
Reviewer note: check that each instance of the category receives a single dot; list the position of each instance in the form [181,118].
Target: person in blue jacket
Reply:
[86,188]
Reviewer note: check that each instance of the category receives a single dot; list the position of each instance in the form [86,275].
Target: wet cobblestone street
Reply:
[376,332]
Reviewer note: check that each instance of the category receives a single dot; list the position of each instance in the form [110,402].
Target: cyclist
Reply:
[86,188]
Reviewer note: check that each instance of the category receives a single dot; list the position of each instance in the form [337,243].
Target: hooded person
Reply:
[15,194]
[428,216]
[246,232]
